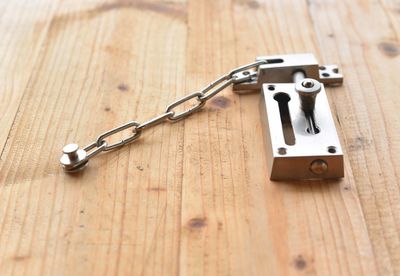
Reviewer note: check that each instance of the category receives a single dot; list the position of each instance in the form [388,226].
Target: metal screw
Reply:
[308,90]
[282,151]
[319,167]
[307,83]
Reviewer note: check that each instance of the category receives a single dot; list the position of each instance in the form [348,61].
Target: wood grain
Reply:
[191,198]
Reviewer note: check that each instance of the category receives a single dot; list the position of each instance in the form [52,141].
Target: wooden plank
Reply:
[100,63]
[325,208]
[193,197]
[367,115]
[23,27]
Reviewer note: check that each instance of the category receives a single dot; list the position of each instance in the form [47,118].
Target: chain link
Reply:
[237,75]
[96,151]
[156,120]
[190,110]
[134,136]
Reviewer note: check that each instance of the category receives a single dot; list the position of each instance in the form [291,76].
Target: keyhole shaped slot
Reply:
[287,127]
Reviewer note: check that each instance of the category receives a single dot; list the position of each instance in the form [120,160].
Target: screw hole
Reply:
[335,70]
[282,151]
[332,149]
[271,87]
[246,73]
[325,75]
[322,68]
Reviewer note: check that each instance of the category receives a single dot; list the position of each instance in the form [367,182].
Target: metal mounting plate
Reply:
[295,161]
[280,69]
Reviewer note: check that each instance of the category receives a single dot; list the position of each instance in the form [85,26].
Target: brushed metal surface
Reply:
[296,161]
[281,69]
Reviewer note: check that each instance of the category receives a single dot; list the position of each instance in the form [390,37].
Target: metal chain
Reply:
[237,75]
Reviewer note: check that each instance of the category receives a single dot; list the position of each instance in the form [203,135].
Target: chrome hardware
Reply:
[75,159]
[299,131]
[307,90]
[281,68]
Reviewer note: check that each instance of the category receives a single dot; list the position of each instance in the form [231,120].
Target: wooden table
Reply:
[191,198]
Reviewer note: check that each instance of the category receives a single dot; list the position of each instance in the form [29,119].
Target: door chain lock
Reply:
[298,129]
[299,132]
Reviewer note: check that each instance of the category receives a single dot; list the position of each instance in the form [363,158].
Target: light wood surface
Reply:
[191,198]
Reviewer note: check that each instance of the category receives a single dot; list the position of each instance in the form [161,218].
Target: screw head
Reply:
[308,83]
[282,151]
[318,167]
[308,87]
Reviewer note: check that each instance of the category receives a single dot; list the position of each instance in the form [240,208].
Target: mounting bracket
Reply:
[299,132]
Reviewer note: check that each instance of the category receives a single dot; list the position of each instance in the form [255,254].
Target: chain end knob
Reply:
[73,159]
